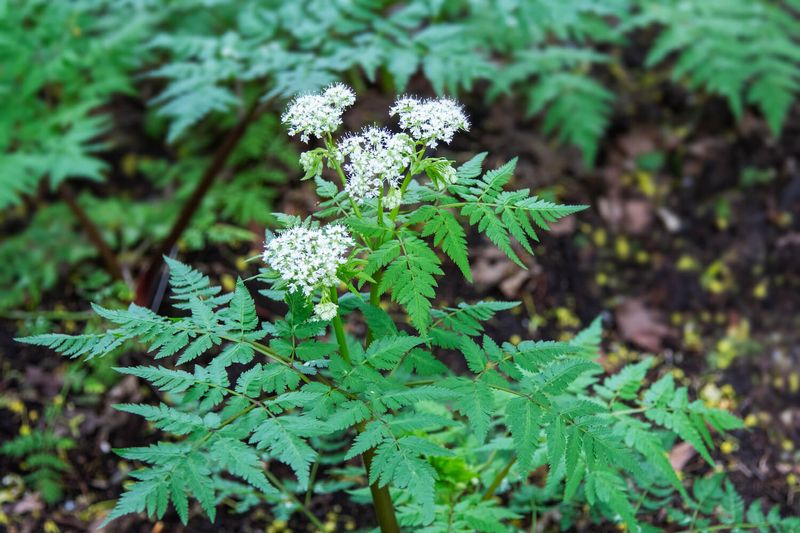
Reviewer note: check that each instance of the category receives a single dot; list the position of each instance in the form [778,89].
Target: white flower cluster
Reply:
[326,310]
[376,157]
[430,121]
[392,199]
[314,115]
[308,258]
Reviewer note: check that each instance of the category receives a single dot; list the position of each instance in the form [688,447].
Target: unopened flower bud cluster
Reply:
[308,258]
[392,199]
[326,310]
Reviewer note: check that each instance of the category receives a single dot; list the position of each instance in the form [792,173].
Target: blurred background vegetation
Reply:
[133,129]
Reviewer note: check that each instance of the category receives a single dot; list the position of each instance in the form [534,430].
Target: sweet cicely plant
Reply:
[346,377]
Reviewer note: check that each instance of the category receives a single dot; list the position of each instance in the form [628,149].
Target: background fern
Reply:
[746,52]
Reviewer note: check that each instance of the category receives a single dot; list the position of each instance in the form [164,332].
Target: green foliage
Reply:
[501,215]
[58,126]
[527,389]
[543,49]
[218,58]
[553,53]
[743,51]
[411,267]
[447,234]
[42,454]
[714,503]
[564,92]
[440,440]
[49,128]
[239,394]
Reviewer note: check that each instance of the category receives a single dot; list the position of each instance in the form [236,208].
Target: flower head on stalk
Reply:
[376,158]
[430,121]
[315,115]
[309,258]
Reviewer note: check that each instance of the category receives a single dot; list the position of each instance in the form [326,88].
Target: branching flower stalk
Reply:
[444,450]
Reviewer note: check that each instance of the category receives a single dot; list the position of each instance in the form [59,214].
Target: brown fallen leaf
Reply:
[680,455]
[631,216]
[30,503]
[490,267]
[642,326]
[510,287]
[640,140]
[563,226]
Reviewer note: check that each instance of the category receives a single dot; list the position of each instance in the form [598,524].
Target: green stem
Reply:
[406,181]
[338,168]
[498,479]
[403,187]
[374,301]
[314,520]
[311,481]
[381,499]
[338,328]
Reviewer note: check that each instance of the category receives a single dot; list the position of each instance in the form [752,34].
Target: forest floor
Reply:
[690,251]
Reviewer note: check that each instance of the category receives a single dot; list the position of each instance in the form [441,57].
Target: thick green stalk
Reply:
[374,300]
[498,479]
[384,507]
[403,187]
[381,499]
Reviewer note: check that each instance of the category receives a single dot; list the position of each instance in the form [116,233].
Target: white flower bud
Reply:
[326,310]
[392,199]
[449,175]
[311,163]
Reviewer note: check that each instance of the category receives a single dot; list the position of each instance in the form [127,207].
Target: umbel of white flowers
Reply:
[430,121]
[308,258]
[375,157]
[314,115]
